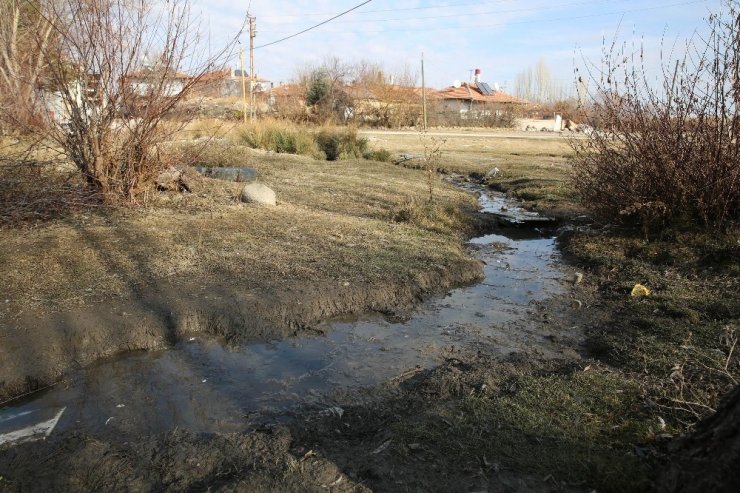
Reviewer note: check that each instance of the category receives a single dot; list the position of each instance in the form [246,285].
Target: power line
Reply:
[447,6]
[314,26]
[532,21]
[490,12]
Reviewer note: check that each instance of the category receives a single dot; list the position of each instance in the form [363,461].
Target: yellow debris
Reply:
[639,290]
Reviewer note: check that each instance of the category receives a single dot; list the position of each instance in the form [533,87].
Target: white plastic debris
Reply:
[39,431]
[382,447]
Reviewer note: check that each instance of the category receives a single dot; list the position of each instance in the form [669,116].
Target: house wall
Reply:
[170,88]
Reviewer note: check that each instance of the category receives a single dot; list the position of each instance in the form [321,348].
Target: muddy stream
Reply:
[202,385]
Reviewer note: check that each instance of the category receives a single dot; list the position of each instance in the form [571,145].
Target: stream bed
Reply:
[202,385]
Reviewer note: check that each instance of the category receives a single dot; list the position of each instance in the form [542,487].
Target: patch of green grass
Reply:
[575,427]
[679,340]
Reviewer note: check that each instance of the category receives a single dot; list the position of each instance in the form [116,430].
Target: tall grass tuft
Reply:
[278,136]
[341,143]
[330,143]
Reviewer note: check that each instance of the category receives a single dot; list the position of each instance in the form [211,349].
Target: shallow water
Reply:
[203,386]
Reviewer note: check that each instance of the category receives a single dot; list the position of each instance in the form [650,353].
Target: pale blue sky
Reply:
[501,37]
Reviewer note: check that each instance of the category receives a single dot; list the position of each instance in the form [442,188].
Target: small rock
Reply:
[258,194]
[577,278]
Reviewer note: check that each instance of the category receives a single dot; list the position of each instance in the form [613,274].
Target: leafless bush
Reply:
[667,154]
[118,68]
[433,149]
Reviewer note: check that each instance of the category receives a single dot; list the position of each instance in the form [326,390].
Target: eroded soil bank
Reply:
[344,238]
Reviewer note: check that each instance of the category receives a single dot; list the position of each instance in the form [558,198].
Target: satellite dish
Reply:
[456,84]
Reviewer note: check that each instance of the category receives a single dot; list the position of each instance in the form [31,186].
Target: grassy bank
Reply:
[347,236]
[532,168]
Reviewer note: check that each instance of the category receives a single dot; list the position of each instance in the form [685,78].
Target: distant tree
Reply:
[325,89]
[319,88]
[537,85]
[394,101]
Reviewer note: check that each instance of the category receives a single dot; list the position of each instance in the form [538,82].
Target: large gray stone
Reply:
[258,194]
[228,174]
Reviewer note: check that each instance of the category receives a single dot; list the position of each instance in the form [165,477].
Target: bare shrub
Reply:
[117,70]
[432,155]
[668,154]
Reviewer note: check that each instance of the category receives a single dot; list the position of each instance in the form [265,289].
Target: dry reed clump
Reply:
[341,143]
[278,136]
[329,143]
[667,156]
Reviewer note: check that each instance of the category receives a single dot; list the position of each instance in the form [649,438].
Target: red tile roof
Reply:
[467,92]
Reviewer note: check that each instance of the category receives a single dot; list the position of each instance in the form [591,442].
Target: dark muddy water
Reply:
[202,385]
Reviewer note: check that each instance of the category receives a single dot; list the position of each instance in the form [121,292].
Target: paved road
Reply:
[508,134]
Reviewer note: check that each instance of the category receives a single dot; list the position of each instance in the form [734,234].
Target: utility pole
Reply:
[252,99]
[423,93]
[244,85]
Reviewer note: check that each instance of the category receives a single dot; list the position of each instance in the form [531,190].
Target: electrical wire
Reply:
[532,21]
[314,26]
[401,9]
[477,14]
